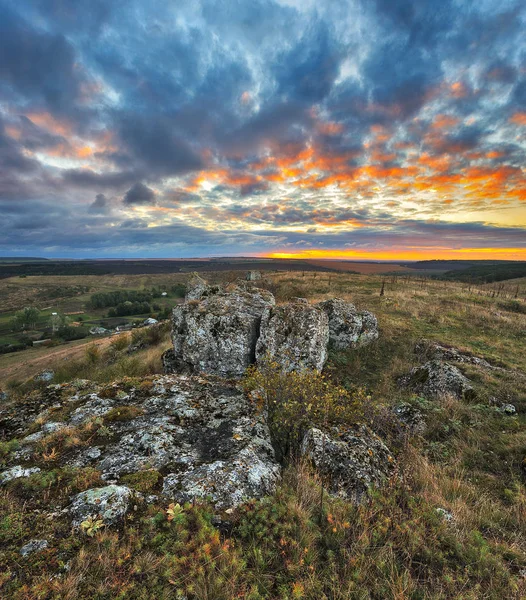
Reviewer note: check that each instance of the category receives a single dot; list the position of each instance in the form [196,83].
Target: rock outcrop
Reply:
[411,418]
[196,287]
[436,379]
[348,328]
[224,331]
[253,276]
[434,351]
[17,472]
[218,333]
[350,463]
[202,436]
[295,335]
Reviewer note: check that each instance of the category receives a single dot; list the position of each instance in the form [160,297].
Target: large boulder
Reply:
[295,335]
[218,333]
[348,328]
[350,462]
[436,379]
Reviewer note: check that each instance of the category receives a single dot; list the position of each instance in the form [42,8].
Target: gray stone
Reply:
[253,276]
[95,407]
[295,335]
[348,328]
[203,432]
[52,426]
[445,514]
[110,503]
[17,472]
[169,361]
[434,351]
[86,457]
[34,546]
[196,287]
[436,379]
[349,464]
[152,444]
[226,483]
[218,333]
[46,375]
[411,418]
[508,409]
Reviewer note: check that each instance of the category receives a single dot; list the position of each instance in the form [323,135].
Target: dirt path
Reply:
[26,364]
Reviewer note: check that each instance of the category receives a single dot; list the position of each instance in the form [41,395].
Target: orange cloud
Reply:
[51,124]
[458,89]
[444,122]
[519,118]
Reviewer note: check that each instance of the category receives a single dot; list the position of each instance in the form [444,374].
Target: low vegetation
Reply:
[450,525]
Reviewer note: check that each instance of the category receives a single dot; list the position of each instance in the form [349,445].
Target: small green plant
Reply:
[92,525]
[175,513]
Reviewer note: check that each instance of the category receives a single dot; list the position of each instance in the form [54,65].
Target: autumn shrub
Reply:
[297,400]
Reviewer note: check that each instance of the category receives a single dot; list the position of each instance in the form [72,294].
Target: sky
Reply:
[367,129]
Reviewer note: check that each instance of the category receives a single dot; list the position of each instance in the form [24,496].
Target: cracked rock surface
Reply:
[349,462]
[295,335]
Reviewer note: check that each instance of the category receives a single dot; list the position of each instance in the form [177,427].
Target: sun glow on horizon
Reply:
[404,254]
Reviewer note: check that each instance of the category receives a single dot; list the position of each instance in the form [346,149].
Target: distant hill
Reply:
[487,273]
[21,259]
[452,265]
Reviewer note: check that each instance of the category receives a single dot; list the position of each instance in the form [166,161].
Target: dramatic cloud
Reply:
[139,194]
[100,204]
[359,128]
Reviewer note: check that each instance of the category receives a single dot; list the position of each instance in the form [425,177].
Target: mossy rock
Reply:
[123,413]
[142,481]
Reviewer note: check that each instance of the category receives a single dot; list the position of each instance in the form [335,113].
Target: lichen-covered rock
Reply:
[34,546]
[94,407]
[433,351]
[295,335]
[435,379]
[110,503]
[411,418]
[350,463]
[169,361]
[227,483]
[16,472]
[218,333]
[253,276]
[202,433]
[46,375]
[196,287]
[348,328]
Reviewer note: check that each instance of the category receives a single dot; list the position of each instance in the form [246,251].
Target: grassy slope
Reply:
[54,294]
[469,462]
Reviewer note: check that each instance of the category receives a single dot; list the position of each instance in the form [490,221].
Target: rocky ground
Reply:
[139,467]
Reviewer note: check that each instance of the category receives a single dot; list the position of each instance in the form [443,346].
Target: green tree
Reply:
[26,318]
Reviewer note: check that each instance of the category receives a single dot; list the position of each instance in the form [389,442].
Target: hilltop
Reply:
[424,382]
